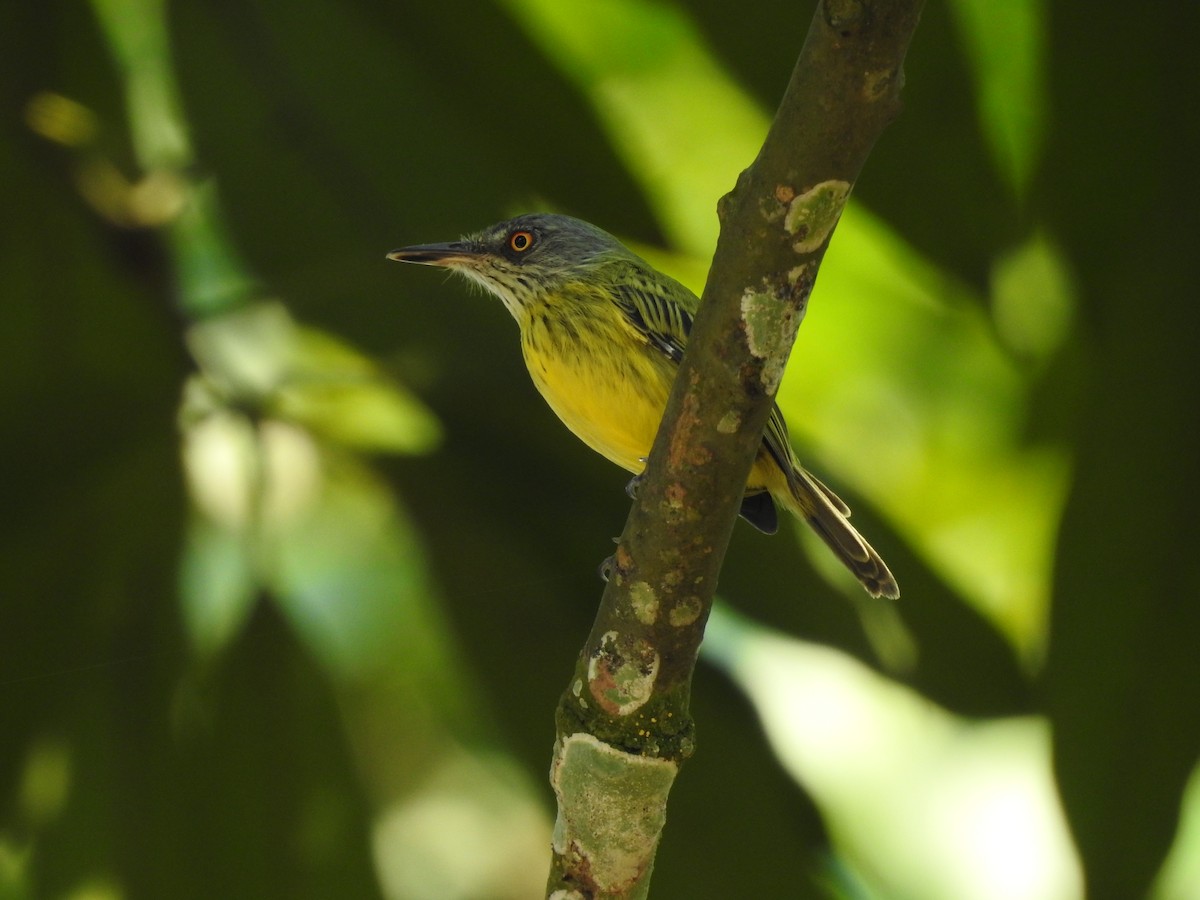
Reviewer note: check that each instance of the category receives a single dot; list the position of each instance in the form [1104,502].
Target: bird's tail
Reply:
[828,516]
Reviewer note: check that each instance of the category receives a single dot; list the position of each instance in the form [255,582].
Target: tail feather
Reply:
[826,514]
[838,503]
[868,567]
[759,510]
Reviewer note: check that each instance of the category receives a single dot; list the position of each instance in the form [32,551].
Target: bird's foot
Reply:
[606,567]
[635,482]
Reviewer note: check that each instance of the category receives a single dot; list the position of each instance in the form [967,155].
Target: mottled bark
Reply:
[623,726]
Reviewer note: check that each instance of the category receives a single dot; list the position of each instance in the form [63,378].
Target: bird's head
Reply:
[522,259]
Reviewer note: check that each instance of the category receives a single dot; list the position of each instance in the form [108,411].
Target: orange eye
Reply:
[520,240]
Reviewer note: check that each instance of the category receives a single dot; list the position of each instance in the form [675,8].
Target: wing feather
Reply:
[660,310]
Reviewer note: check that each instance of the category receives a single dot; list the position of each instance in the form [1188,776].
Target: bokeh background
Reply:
[295,563]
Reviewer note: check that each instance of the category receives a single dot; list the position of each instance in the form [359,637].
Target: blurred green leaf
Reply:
[898,384]
[952,809]
[1006,47]
[339,394]
[136,33]
[641,64]
[1033,299]
[14,883]
[1122,679]
[260,358]
[217,585]
[472,831]
[350,574]
[212,275]
[892,346]
[1180,874]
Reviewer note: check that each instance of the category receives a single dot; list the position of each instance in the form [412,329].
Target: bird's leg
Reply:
[608,564]
[631,489]
[635,482]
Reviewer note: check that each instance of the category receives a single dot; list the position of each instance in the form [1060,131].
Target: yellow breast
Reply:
[608,385]
[601,378]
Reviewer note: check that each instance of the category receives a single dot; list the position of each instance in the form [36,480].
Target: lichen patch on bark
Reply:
[675,509]
[611,810]
[621,673]
[772,319]
[730,423]
[685,612]
[811,216]
[645,602]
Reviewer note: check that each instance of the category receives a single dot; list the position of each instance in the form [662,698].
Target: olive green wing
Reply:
[658,308]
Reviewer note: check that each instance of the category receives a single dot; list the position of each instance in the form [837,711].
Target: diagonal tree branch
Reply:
[623,726]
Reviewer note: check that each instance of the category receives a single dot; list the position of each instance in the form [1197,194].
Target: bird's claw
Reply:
[631,489]
[606,567]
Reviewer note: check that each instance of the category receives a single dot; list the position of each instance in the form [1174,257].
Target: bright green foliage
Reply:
[1005,47]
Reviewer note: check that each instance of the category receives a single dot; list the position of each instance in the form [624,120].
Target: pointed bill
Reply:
[436,254]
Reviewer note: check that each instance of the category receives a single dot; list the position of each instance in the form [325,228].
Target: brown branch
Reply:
[623,726]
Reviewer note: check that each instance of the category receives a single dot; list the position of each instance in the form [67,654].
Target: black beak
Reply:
[435,254]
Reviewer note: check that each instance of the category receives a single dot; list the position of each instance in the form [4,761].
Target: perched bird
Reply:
[603,332]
